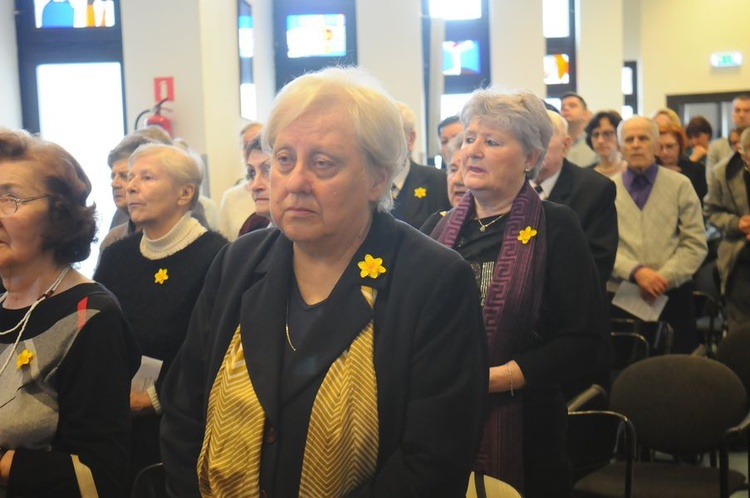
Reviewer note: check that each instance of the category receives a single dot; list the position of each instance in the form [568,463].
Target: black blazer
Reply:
[430,360]
[413,208]
[592,197]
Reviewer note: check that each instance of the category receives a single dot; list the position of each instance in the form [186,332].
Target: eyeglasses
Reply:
[9,203]
[607,134]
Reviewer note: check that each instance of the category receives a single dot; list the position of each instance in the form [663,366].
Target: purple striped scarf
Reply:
[510,312]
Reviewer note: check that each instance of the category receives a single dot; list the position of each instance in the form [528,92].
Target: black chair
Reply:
[593,398]
[659,335]
[601,448]
[682,404]
[710,320]
[150,482]
[734,352]
[629,347]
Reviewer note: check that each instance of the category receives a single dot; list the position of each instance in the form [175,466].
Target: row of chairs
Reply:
[680,405]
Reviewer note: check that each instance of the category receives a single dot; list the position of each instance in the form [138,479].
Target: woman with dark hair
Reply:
[542,301]
[66,354]
[601,135]
[699,133]
[157,275]
[671,154]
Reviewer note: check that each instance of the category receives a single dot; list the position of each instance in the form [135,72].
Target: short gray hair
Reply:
[559,124]
[653,127]
[520,112]
[183,166]
[373,114]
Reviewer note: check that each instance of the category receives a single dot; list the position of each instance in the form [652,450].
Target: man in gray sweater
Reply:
[662,238]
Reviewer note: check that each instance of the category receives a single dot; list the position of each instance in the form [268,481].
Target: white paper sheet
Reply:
[628,297]
[146,375]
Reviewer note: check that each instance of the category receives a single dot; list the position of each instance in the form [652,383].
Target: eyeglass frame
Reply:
[19,201]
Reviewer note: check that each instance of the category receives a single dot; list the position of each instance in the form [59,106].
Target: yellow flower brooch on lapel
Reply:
[24,358]
[420,192]
[161,276]
[526,235]
[371,267]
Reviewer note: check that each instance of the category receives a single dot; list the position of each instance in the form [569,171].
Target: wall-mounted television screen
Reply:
[461,57]
[316,35]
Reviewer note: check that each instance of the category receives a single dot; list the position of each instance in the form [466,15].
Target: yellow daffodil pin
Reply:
[371,267]
[526,234]
[420,192]
[161,276]
[24,358]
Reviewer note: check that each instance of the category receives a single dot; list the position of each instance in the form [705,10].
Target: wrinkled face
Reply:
[639,145]
[573,111]
[553,159]
[448,132]
[669,149]
[155,201]
[258,166]
[741,112]
[21,234]
[604,139]
[456,187]
[119,177]
[321,191]
[493,160]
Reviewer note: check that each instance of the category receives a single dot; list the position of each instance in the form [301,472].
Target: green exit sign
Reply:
[726,59]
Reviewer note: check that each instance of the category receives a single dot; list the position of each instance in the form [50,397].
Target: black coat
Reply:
[430,360]
[409,206]
[592,197]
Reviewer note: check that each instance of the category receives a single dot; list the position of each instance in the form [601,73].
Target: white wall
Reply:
[517,46]
[10,93]
[600,70]
[389,44]
[677,39]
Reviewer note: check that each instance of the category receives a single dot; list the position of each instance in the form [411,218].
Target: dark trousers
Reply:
[738,295]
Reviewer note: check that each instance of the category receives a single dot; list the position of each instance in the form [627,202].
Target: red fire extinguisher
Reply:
[156,117]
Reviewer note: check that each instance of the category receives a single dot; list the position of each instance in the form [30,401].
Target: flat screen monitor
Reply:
[316,35]
[461,58]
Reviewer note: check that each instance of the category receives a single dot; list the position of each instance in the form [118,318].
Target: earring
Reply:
[526,170]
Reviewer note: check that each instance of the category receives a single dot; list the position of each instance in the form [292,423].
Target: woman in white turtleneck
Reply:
[157,275]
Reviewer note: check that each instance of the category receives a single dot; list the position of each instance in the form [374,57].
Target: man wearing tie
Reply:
[662,236]
[418,191]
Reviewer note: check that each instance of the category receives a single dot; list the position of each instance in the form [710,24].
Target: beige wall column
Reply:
[517,46]
[600,53]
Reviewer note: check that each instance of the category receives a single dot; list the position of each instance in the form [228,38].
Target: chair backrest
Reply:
[679,403]
[596,437]
[150,482]
[483,486]
[734,352]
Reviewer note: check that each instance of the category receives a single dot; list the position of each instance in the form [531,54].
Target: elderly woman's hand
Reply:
[140,403]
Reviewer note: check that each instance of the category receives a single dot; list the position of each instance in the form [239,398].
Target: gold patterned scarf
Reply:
[341,449]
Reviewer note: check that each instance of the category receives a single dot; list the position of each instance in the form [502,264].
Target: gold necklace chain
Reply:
[286,326]
[483,227]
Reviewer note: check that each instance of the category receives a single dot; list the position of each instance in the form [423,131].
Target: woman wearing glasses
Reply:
[601,135]
[66,354]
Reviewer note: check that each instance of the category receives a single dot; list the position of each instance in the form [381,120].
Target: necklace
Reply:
[483,227]
[25,320]
[286,326]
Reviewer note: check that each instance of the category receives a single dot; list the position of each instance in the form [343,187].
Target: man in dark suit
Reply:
[589,194]
[418,191]
[592,197]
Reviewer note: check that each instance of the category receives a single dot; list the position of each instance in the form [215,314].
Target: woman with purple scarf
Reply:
[541,301]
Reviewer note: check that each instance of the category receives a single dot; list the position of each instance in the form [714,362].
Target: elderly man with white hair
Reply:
[662,236]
